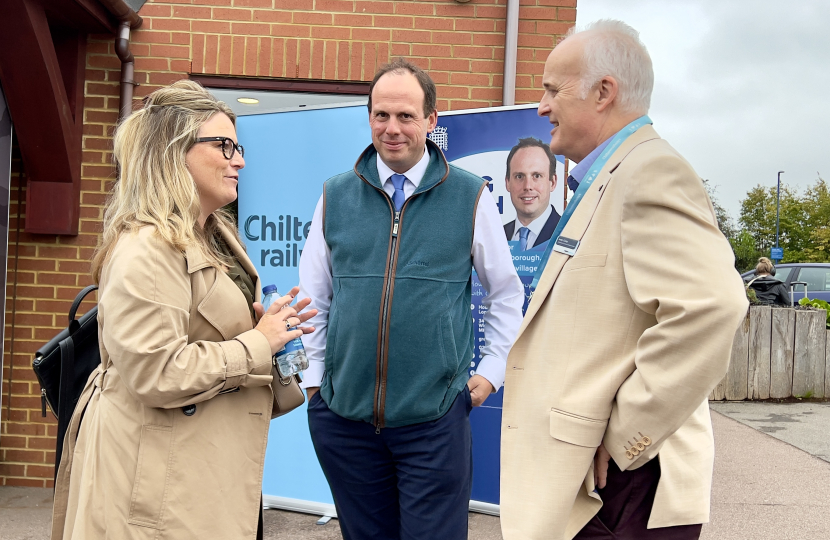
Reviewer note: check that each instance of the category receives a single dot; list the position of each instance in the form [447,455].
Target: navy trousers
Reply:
[405,483]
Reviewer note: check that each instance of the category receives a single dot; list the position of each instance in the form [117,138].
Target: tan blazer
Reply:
[621,344]
[173,332]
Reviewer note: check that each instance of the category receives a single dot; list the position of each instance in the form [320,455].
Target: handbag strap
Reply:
[73,324]
[67,379]
[65,409]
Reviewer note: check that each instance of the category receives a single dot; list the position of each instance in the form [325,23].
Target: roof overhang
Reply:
[42,70]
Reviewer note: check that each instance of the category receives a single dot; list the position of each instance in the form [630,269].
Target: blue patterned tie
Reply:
[572,183]
[523,232]
[398,198]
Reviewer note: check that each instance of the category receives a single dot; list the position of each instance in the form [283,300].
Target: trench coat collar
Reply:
[196,259]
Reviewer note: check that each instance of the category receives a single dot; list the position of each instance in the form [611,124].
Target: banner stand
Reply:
[298,505]
[328,510]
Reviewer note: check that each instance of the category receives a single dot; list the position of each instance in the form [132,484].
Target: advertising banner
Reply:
[289,155]
[480,141]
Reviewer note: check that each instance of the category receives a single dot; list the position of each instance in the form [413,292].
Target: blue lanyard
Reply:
[584,185]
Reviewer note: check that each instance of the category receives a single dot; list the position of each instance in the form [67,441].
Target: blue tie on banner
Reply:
[288,157]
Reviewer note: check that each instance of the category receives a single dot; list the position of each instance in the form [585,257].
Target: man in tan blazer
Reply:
[606,430]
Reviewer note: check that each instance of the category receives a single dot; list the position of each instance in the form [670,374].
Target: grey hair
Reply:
[614,48]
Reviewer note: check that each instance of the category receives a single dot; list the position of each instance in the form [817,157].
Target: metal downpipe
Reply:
[122,49]
[511,44]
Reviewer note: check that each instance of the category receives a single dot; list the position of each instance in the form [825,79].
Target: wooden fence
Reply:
[778,353]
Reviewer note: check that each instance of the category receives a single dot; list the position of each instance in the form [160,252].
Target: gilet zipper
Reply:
[384,346]
[383,353]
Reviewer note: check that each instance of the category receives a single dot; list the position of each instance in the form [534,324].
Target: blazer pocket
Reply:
[147,501]
[586,261]
[574,429]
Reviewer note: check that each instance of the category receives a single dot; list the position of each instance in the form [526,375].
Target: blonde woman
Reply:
[175,420]
[768,290]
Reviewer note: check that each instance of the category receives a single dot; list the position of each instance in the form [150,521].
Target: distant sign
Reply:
[776,253]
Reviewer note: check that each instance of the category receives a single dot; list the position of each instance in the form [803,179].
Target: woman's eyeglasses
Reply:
[228,146]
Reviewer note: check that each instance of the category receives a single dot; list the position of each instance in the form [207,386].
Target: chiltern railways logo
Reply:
[439,137]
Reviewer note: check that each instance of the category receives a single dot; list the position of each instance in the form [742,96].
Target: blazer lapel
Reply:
[580,220]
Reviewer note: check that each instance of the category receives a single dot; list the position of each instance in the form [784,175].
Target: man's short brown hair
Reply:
[532,142]
[400,65]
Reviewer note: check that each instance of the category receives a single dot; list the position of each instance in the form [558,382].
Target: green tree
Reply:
[758,219]
[817,205]
[746,254]
[725,223]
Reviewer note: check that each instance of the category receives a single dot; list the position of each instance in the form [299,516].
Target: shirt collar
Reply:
[537,224]
[414,175]
[581,169]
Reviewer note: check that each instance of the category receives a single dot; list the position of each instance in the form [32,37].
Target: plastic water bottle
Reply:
[291,359]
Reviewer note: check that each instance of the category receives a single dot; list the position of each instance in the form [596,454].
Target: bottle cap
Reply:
[268,289]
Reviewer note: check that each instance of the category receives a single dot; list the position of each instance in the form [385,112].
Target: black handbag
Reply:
[63,366]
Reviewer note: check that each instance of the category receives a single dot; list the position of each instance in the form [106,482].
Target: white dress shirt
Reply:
[491,259]
[535,227]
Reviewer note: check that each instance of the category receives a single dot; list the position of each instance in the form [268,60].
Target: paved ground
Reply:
[803,425]
[764,488]
[25,514]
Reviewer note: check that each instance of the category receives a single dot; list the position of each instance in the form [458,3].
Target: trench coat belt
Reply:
[99,377]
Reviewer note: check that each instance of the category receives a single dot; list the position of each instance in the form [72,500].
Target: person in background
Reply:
[389,380]
[768,289]
[175,418]
[606,432]
[530,178]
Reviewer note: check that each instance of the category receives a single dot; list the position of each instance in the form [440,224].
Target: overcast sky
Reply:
[741,88]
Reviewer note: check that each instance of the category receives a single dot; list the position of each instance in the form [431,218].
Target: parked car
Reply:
[815,275]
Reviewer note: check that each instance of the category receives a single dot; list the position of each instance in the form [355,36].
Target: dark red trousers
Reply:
[627,500]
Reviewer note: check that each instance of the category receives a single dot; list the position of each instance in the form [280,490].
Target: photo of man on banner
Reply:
[530,178]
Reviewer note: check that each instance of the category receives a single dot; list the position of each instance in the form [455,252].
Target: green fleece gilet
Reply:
[400,333]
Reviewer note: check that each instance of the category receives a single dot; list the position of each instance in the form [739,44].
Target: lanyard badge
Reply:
[568,246]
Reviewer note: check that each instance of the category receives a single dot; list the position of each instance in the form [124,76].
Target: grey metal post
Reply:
[777,207]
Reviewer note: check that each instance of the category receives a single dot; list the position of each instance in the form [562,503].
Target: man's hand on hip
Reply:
[601,466]
[311,391]
[480,388]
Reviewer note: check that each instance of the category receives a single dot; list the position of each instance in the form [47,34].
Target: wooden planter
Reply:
[778,353]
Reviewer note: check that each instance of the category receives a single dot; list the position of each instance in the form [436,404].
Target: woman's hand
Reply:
[272,323]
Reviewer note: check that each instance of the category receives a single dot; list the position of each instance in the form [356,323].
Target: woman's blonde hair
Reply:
[154,186]
[764,266]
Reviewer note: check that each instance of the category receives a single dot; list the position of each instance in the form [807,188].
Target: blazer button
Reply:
[189,410]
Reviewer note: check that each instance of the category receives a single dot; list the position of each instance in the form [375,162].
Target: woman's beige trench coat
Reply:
[173,332]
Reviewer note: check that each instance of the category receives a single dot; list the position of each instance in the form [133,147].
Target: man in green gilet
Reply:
[388,264]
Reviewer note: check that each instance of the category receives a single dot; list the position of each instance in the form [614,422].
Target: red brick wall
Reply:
[461,45]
